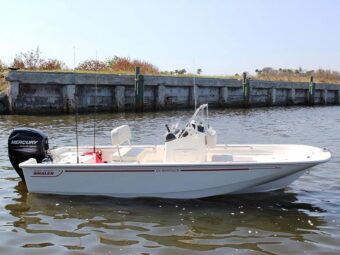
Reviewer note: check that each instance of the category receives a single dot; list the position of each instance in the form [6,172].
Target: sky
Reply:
[221,37]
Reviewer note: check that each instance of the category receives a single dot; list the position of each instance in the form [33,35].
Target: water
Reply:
[304,218]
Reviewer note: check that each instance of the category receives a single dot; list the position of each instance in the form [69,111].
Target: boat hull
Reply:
[186,181]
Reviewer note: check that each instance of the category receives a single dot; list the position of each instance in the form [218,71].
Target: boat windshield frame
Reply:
[203,109]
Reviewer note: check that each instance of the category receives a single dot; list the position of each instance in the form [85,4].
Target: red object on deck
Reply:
[98,155]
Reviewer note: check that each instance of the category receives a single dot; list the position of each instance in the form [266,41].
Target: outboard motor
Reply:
[26,143]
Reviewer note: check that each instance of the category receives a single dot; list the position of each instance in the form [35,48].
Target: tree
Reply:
[199,71]
[92,65]
[28,60]
[52,64]
[2,66]
[182,71]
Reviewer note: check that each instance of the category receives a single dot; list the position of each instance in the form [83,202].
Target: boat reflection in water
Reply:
[256,222]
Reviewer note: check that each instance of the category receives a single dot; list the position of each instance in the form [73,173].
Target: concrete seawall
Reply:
[56,92]
[4,104]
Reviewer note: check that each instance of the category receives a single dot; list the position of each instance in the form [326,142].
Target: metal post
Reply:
[311,91]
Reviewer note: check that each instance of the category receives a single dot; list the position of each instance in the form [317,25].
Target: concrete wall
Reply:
[4,104]
[48,92]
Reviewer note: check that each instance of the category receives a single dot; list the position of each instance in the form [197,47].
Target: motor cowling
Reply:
[26,143]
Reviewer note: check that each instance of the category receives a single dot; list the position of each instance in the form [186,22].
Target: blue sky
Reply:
[221,37]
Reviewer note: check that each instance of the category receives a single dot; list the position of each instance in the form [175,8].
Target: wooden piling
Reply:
[139,90]
[246,90]
[337,97]
[311,91]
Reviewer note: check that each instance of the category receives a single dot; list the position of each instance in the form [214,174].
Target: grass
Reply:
[298,75]
[297,79]
[32,60]
[318,77]
[132,73]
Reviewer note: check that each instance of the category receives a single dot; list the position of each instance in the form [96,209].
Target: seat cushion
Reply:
[127,154]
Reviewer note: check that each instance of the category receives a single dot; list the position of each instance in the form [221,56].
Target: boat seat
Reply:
[127,154]
[120,135]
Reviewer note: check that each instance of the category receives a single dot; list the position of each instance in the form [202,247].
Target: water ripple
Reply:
[303,218]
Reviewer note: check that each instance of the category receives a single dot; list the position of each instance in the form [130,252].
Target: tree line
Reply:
[32,60]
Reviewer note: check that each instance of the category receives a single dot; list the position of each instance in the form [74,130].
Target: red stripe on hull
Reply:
[160,171]
[213,170]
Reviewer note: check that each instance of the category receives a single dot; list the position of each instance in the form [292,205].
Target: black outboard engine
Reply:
[26,143]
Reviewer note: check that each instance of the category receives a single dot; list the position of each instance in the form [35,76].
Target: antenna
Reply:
[95,107]
[195,98]
[195,92]
[75,100]
[74,58]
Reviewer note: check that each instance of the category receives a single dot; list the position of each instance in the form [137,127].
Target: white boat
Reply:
[189,165]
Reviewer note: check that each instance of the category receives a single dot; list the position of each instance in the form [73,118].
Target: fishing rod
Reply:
[75,100]
[95,108]
[76,106]
[195,96]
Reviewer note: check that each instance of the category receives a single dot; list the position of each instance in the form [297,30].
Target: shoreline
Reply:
[63,92]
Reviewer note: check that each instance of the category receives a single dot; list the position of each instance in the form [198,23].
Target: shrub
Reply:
[298,75]
[124,64]
[117,65]
[92,65]
[30,60]
[52,64]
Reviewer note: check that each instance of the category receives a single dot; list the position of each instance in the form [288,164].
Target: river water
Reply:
[303,218]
